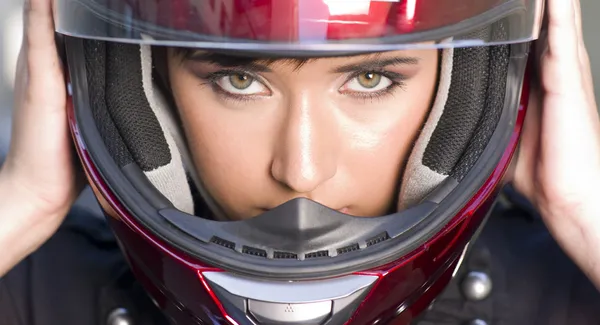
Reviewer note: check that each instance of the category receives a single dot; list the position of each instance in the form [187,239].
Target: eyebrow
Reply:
[377,63]
[246,63]
[371,62]
[229,61]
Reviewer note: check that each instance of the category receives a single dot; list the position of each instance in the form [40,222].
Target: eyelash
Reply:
[397,82]
[213,78]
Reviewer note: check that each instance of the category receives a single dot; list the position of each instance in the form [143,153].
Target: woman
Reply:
[296,146]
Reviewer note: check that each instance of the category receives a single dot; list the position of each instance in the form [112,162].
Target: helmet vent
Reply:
[254,251]
[378,239]
[222,242]
[285,255]
[317,254]
[348,249]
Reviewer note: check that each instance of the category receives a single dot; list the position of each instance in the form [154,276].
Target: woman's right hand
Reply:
[39,180]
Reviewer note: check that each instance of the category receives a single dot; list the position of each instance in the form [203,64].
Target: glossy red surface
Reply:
[405,287]
[302,20]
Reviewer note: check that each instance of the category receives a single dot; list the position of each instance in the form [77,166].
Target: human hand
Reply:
[558,168]
[38,182]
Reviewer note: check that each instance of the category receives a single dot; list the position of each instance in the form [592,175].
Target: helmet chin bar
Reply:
[302,229]
[296,231]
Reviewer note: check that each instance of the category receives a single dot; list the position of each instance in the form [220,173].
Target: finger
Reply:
[40,130]
[39,25]
[584,58]
[577,14]
[40,70]
[562,27]
[563,46]
[39,45]
[529,145]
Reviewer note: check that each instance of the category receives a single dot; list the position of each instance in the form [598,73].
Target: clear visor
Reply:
[301,25]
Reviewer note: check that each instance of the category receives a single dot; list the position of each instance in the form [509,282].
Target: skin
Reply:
[559,164]
[558,168]
[334,130]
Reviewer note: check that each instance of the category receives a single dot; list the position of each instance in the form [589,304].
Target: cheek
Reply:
[390,126]
[377,151]
[376,160]
[230,154]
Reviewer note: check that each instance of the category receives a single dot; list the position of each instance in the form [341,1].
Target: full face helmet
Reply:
[299,262]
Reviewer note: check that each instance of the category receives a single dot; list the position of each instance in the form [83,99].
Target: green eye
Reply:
[241,81]
[369,79]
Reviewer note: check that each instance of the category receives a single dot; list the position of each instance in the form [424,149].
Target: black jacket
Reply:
[79,277]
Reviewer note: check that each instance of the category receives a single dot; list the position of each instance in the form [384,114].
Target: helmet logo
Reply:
[289,308]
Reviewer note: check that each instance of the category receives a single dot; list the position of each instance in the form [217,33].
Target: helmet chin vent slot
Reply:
[222,242]
[378,239]
[254,251]
[317,254]
[285,256]
[300,230]
[348,249]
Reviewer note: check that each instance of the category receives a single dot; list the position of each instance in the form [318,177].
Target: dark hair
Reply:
[234,60]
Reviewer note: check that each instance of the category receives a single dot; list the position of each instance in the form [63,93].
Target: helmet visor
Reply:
[300,25]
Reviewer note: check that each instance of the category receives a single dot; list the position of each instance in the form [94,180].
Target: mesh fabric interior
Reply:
[95,53]
[462,111]
[496,91]
[474,103]
[131,117]
[123,116]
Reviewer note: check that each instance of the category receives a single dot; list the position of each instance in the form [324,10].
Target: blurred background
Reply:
[11,34]
[10,40]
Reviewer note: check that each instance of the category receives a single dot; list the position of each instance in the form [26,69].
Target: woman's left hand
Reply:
[558,168]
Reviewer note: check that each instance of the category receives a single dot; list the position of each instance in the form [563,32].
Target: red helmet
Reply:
[300,262]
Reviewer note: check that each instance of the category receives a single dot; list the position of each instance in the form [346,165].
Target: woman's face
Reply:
[333,130]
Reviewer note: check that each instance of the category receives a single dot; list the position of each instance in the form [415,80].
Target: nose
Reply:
[306,150]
